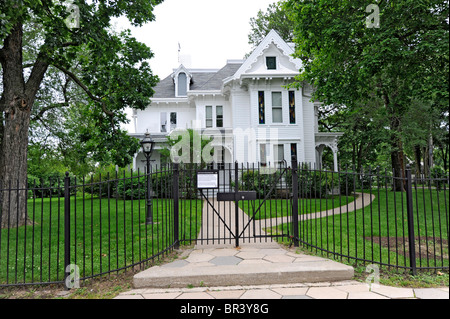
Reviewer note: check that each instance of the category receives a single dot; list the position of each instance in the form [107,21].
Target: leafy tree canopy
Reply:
[89,73]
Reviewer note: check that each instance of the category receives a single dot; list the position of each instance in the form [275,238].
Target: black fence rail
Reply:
[373,224]
[82,228]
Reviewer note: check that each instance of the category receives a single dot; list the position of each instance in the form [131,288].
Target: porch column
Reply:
[319,153]
[335,158]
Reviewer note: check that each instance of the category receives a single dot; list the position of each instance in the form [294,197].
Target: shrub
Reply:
[259,182]
[439,176]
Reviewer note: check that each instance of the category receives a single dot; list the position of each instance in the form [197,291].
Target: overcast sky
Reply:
[209,31]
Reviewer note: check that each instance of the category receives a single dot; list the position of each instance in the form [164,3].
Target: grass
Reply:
[379,233]
[272,208]
[105,236]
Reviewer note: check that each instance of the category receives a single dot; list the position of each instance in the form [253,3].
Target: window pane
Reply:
[262,153]
[219,116]
[209,112]
[291,107]
[276,99]
[271,63]
[209,119]
[277,115]
[261,106]
[163,118]
[279,152]
[173,120]
[182,84]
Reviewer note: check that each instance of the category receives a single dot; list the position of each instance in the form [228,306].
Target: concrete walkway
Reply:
[262,264]
[323,290]
[217,270]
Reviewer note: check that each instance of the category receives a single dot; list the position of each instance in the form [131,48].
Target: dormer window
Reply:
[271,63]
[182,79]
[182,84]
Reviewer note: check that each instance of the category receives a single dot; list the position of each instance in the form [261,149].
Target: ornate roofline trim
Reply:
[272,38]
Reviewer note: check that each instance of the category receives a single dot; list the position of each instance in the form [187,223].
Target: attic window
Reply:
[271,63]
[182,84]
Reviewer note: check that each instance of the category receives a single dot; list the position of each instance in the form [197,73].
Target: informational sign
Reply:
[208,180]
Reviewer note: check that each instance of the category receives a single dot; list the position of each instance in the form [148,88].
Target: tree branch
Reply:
[86,89]
[70,44]
[48,108]
[36,77]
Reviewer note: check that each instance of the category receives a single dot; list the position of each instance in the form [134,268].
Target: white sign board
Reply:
[207,180]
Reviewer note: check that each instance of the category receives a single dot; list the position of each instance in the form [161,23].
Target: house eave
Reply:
[175,100]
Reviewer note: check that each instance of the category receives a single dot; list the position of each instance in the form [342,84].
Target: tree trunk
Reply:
[418,158]
[396,154]
[14,167]
[16,102]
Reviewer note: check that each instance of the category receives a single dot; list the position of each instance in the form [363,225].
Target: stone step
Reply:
[262,265]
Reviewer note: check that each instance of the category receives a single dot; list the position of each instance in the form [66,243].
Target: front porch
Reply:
[327,140]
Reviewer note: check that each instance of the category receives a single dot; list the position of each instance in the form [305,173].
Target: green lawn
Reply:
[272,208]
[105,236]
[379,232]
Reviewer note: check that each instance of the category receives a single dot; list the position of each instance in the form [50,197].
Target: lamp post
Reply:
[147,147]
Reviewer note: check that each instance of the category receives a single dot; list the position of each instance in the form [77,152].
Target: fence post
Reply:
[236,203]
[409,210]
[176,206]
[295,200]
[66,229]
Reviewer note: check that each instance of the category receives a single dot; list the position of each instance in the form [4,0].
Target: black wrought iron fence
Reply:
[372,223]
[83,228]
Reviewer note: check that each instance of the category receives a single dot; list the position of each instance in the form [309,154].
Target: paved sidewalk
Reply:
[323,290]
[259,258]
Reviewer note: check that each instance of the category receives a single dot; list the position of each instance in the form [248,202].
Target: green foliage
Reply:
[337,47]
[93,74]
[262,183]
[191,142]
[439,176]
[401,66]
[274,18]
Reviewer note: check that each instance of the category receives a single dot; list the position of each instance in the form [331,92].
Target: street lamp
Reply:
[147,147]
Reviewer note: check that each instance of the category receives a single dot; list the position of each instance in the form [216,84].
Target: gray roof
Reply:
[206,81]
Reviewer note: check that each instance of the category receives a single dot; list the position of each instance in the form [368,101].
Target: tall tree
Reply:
[274,18]
[397,50]
[111,69]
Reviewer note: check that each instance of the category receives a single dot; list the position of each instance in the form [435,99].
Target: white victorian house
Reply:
[246,106]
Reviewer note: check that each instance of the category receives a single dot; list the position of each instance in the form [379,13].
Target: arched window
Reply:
[182,84]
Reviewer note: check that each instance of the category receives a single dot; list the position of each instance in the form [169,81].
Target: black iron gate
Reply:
[247,203]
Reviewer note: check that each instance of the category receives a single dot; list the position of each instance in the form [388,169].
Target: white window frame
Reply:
[209,119]
[277,107]
[276,153]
